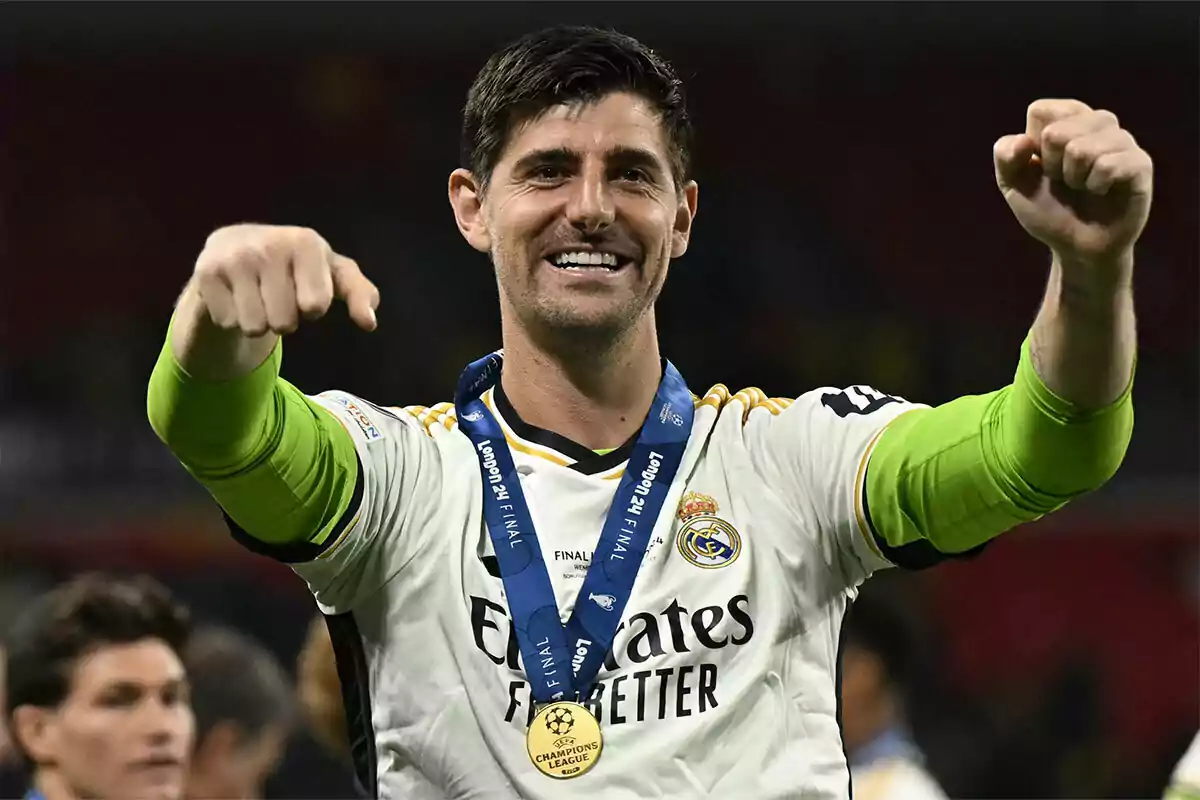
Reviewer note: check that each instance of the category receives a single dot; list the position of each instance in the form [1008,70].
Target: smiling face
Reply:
[124,730]
[581,216]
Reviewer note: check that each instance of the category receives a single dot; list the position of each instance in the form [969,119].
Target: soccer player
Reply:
[876,658]
[97,697]
[245,709]
[579,578]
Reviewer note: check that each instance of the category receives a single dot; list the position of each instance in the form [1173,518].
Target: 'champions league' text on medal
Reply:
[568,755]
[677,691]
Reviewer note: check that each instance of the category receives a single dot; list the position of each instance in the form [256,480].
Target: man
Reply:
[884,761]
[684,644]
[12,782]
[97,699]
[244,710]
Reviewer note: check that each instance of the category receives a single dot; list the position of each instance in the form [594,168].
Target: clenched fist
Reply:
[1076,180]
[260,278]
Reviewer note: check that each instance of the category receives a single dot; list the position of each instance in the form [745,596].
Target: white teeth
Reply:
[586,259]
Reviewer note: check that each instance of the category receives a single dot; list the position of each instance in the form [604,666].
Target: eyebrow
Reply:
[636,157]
[124,684]
[624,156]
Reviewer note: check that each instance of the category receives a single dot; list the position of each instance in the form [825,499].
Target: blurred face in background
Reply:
[866,699]
[6,752]
[234,764]
[320,691]
[581,215]
[124,730]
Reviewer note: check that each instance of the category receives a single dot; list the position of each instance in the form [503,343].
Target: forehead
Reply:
[616,121]
[147,662]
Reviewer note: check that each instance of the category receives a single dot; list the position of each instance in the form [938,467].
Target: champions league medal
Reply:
[564,740]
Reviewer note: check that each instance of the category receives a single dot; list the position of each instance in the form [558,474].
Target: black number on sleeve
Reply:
[856,400]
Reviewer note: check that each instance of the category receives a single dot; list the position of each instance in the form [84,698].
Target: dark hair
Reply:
[568,65]
[236,679]
[58,628]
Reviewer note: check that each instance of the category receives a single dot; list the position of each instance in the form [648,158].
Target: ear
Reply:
[685,212]
[222,740]
[219,745]
[466,198]
[34,730]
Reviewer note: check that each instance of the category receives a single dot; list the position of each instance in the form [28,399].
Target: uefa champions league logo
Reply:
[605,601]
[666,415]
[560,721]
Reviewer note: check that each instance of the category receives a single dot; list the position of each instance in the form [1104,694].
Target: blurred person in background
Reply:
[245,709]
[321,700]
[96,692]
[885,763]
[1185,780]
[412,526]
[320,691]
[12,776]
[5,742]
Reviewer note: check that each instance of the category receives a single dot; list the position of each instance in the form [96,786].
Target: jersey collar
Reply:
[582,458]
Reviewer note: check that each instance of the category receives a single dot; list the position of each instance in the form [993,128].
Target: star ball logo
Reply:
[705,539]
[560,721]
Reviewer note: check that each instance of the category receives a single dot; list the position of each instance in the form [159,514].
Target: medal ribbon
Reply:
[562,661]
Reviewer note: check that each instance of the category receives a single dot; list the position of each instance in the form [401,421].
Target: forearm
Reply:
[208,352]
[1083,342]
[212,425]
[964,472]
[281,467]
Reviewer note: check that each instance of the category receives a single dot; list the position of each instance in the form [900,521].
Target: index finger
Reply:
[360,295]
[314,284]
[1042,113]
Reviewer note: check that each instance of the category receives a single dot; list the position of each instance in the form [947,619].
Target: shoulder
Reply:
[740,404]
[820,407]
[375,420]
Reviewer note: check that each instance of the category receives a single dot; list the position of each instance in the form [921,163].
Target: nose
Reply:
[590,209]
[166,723]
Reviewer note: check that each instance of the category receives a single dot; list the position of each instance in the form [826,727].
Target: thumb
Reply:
[360,295]
[1017,164]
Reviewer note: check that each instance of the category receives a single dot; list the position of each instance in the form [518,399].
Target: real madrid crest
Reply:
[705,539]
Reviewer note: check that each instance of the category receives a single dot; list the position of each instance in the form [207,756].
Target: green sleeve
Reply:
[282,467]
[955,476]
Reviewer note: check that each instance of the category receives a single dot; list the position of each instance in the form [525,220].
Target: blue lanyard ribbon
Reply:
[562,661]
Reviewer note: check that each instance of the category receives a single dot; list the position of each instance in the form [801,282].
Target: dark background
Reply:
[850,232]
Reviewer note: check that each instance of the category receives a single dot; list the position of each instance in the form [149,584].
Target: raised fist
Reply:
[260,278]
[1076,180]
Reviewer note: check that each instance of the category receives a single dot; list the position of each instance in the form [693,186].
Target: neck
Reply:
[51,786]
[594,391]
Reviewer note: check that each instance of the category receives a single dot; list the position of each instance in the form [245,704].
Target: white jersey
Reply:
[1185,780]
[894,779]
[722,678]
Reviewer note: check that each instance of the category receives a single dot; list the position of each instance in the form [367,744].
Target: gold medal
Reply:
[564,740]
